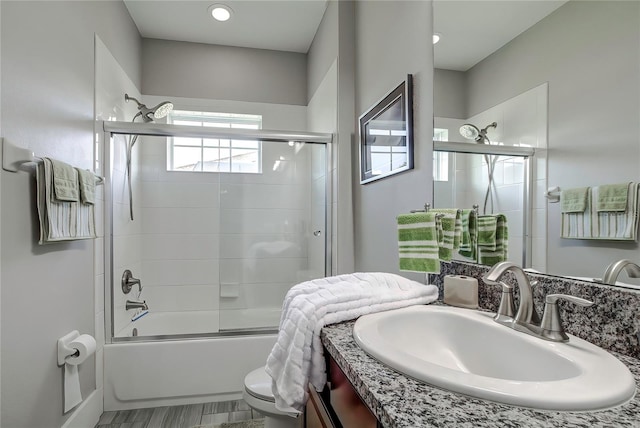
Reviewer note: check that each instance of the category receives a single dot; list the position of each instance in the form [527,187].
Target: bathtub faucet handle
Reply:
[128,281]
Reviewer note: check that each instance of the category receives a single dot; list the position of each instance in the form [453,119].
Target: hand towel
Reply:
[603,225]
[468,244]
[451,222]
[60,220]
[65,181]
[87,180]
[297,357]
[573,200]
[578,225]
[616,225]
[418,242]
[493,239]
[612,197]
[487,228]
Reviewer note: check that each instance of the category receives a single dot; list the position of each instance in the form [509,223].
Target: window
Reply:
[214,154]
[440,159]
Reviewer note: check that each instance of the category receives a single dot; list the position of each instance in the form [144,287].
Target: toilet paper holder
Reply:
[64,350]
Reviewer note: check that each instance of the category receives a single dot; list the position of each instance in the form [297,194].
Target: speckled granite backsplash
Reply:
[613,322]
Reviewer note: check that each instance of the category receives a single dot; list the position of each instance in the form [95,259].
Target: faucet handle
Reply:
[553,299]
[507,308]
[128,281]
[551,322]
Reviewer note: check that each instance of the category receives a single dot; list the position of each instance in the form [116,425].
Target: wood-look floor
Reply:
[186,416]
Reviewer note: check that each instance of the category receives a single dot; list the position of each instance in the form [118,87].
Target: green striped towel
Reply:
[418,242]
[451,222]
[468,243]
[493,239]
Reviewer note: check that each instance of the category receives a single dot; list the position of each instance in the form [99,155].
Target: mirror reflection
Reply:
[562,77]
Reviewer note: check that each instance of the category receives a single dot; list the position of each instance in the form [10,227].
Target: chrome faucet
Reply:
[526,319]
[614,269]
[526,310]
[134,304]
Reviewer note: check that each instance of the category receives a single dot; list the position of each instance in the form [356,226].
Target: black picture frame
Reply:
[386,135]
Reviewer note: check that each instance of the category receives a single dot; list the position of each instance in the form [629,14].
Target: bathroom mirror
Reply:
[588,56]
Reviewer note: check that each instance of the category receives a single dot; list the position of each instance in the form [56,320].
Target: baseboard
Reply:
[88,413]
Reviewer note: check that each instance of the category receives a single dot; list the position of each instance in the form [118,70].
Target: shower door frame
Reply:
[113,128]
[527,154]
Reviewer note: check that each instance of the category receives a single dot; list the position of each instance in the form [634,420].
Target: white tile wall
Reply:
[263,196]
[259,221]
[521,120]
[237,246]
[180,220]
[176,195]
[322,116]
[180,246]
[250,296]
[111,83]
[179,272]
[182,298]
[255,271]
[249,232]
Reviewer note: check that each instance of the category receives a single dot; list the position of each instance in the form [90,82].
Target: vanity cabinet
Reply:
[338,405]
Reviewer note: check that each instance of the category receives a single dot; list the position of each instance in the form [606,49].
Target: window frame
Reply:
[228,120]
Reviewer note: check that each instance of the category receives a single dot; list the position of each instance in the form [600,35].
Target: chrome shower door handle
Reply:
[317,233]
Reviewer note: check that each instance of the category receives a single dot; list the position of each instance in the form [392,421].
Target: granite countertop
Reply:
[399,401]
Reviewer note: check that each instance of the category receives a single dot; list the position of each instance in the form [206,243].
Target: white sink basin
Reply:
[465,351]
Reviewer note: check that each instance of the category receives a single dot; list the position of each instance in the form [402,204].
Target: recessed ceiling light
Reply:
[220,12]
[436,38]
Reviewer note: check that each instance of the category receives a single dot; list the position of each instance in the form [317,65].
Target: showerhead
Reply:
[150,114]
[471,132]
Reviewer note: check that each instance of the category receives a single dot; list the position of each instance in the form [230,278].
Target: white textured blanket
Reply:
[297,359]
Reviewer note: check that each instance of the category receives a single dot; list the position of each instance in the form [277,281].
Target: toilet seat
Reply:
[258,384]
[258,395]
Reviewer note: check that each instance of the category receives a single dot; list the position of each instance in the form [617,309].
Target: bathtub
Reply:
[176,371]
[201,322]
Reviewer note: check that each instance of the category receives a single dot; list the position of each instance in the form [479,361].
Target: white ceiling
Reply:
[471,29]
[262,24]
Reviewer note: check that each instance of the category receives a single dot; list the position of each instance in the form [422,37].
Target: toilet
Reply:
[258,395]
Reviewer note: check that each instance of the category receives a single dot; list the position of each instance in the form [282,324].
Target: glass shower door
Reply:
[272,230]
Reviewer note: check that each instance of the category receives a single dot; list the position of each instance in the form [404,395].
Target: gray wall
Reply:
[392,40]
[323,50]
[589,52]
[450,94]
[223,72]
[334,43]
[47,88]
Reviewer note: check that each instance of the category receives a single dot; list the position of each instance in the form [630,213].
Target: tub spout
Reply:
[134,304]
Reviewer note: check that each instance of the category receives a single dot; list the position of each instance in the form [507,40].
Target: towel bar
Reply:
[13,157]
[427,207]
[553,194]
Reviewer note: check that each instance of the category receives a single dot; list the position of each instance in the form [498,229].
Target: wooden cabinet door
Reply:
[316,414]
